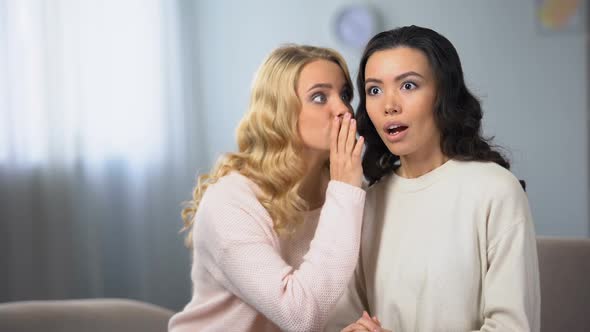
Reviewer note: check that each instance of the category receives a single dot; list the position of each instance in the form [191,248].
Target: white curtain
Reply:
[99,145]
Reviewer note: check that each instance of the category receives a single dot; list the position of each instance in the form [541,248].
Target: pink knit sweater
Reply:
[247,278]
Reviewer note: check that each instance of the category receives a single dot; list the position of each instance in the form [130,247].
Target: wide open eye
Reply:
[373,90]
[409,86]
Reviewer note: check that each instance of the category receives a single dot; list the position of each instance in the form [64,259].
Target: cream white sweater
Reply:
[453,250]
[247,278]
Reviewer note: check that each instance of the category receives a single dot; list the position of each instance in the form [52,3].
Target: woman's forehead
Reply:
[396,61]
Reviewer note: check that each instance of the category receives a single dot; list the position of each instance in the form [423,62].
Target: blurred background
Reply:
[110,108]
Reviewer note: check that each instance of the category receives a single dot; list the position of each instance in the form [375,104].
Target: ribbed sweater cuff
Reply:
[356,194]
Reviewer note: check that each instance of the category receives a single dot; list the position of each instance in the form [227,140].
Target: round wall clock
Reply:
[355,25]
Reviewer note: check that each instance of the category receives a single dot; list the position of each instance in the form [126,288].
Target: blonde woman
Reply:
[275,227]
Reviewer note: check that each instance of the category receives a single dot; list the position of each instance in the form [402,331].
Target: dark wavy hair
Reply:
[457,113]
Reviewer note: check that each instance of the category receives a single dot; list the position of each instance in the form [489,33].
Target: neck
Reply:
[314,184]
[413,166]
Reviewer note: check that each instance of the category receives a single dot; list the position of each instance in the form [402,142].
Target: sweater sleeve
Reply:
[354,301]
[351,304]
[245,258]
[511,290]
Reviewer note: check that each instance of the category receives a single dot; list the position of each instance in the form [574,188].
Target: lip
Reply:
[397,136]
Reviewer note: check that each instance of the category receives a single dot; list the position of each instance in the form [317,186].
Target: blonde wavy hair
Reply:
[269,144]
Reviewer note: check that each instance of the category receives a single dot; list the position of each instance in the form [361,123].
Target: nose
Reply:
[392,106]
[392,110]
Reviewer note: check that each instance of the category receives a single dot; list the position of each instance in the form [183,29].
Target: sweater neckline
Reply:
[426,180]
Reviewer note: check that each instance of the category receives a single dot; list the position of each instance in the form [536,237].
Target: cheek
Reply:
[320,120]
[314,125]
[306,120]
[371,104]
[374,106]
[427,112]
[427,122]
[373,113]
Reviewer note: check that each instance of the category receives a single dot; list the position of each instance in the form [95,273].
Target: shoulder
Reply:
[231,182]
[487,177]
[380,186]
[377,199]
[230,215]
[232,203]
[498,194]
[231,189]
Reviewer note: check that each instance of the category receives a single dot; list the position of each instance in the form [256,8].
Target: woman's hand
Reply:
[365,324]
[345,151]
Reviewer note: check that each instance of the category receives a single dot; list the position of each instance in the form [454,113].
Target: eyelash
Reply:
[345,96]
[402,87]
[316,95]
[370,93]
[409,82]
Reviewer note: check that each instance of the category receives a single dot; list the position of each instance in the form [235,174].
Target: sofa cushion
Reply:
[91,315]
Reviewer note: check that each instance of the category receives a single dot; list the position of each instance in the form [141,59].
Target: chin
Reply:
[397,150]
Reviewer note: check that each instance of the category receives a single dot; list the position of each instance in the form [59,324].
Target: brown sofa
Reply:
[564,266]
[86,315]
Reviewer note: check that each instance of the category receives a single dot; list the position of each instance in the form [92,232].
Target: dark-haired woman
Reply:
[448,239]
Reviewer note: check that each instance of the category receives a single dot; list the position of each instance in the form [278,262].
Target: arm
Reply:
[248,264]
[351,304]
[511,291]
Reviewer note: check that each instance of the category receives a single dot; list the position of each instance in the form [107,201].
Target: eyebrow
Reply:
[321,85]
[397,78]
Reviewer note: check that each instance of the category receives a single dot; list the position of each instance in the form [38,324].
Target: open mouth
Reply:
[395,129]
